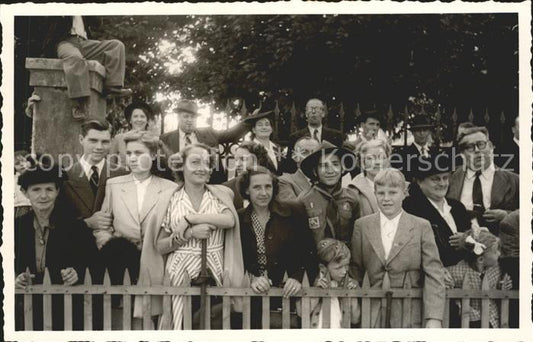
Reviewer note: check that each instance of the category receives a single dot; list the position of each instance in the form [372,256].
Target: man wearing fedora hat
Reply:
[331,209]
[427,199]
[187,133]
[421,127]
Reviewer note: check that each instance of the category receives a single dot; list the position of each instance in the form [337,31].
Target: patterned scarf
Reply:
[259,230]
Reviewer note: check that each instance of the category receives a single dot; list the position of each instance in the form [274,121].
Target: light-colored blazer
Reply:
[367,199]
[413,256]
[121,200]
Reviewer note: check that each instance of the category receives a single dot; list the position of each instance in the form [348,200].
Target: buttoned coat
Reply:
[418,204]
[289,246]
[121,201]
[413,259]
[76,194]
[332,135]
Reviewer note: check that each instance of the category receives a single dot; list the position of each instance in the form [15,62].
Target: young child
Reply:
[334,258]
[481,263]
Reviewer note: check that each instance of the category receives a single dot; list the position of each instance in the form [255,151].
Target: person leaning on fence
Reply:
[489,193]
[137,202]
[479,266]
[291,185]
[200,212]
[49,238]
[374,156]
[138,115]
[396,249]
[275,240]
[247,154]
[448,217]
[331,209]
[334,257]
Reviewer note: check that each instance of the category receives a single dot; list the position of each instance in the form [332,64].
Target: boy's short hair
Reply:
[331,250]
[98,125]
[391,177]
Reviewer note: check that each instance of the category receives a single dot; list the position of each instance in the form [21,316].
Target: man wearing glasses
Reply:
[314,114]
[488,193]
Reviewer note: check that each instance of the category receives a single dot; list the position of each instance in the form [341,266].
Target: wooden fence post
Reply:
[87,303]
[187,309]
[366,312]
[306,303]
[407,306]
[286,308]
[107,301]
[226,303]
[485,304]
[465,306]
[47,302]
[28,304]
[126,303]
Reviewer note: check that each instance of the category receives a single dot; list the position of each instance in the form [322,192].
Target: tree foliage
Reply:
[462,61]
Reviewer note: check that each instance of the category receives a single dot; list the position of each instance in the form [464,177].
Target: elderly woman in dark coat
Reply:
[449,218]
[48,237]
[275,239]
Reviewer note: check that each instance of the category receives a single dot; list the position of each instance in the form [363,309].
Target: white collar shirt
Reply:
[516,142]
[141,190]
[423,149]
[87,168]
[446,214]
[183,141]
[270,151]
[486,178]
[388,231]
[312,132]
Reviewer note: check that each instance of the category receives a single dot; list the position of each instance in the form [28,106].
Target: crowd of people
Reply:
[333,210]
[339,215]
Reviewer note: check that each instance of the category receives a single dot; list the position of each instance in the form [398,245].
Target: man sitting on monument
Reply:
[69,36]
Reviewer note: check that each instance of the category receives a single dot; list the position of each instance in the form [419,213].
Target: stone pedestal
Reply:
[55,131]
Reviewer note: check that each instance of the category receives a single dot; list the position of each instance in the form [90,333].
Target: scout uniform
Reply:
[330,214]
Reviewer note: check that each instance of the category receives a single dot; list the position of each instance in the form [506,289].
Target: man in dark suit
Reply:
[507,155]
[489,193]
[421,127]
[83,192]
[187,133]
[314,114]
[448,217]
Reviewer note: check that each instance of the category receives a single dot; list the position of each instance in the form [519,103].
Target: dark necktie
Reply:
[477,198]
[315,135]
[94,179]
[188,140]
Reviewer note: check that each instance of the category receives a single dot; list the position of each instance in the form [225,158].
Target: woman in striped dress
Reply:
[199,211]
